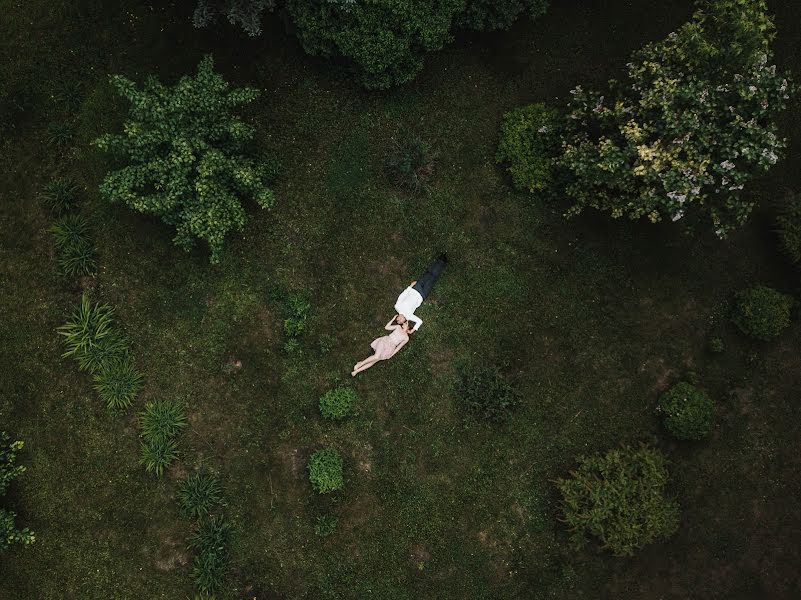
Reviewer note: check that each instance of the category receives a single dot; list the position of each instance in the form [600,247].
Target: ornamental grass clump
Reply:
[185,155]
[620,498]
[117,382]
[91,337]
[530,144]
[761,312]
[210,542]
[338,403]
[199,493]
[688,412]
[74,245]
[689,125]
[160,423]
[325,471]
[60,195]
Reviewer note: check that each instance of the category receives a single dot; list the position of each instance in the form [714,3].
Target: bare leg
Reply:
[365,364]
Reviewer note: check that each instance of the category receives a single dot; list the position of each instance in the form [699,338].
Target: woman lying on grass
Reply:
[385,347]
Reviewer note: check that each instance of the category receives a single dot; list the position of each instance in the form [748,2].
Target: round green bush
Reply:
[619,497]
[338,403]
[688,411]
[528,144]
[761,312]
[325,471]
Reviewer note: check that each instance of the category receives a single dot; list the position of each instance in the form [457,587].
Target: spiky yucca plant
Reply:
[60,134]
[199,493]
[60,195]
[90,335]
[118,382]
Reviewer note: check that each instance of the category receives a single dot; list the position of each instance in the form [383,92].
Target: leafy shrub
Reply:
[8,456]
[688,411]
[326,343]
[619,497]
[60,195]
[117,382]
[761,312]
[716,345]
[9,534]
[160,422]
[297,308]
[529,144]
[245,13]
[77,253]
[325,471]
[90,336]
[338,403]
[326,525]
[291,346]
[692,123]
[788,227]
[185,152]
[199,493]
[156,455]
[60,135]
[484,392]
[210,541]
[410,164]
[492,15]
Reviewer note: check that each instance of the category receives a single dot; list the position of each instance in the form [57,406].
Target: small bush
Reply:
[162,420]
[199,493]
[788,227]
[326,525]
[210,541]
[325,471]
[619,497]
[761,312]
[410,164]
[9,534]
[69,95]
[90,336]
[529,144]
[297,308]
[688,412]
[8,457]
[716,345]
[338,403]
[156,455]
[484,392]
[76,251]
[60,195]
[117,382]
[60,135]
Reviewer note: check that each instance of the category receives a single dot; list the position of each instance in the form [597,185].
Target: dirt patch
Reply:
[171,554]
[419,557]
[658,372]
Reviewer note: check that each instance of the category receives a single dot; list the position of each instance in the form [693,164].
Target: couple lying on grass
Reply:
[401,324]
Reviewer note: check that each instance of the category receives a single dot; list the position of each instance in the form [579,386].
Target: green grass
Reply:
[591,319]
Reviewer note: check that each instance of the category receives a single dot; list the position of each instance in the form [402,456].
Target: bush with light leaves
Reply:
[186,157]
[692,122]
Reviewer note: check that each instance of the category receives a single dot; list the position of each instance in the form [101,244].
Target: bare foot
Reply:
[353,373]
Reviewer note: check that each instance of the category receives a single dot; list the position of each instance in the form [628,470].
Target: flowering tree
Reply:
[185,150]
[692,123]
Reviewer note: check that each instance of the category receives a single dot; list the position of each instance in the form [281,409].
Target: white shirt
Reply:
[409,300]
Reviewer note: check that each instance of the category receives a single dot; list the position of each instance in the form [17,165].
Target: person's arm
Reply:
[417,321]
[389,326]
[398,347]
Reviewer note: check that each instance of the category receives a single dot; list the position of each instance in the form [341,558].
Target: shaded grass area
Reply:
[591,319]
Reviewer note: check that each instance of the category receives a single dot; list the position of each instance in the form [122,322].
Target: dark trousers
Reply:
[426,281]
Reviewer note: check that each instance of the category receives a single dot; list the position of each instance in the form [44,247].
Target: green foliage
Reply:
[90,336]
[9,534]
[326,343]
[492,15]
[383,41]
[529,144]
[338,403]
[69,95]
[8,456]
[761,312]
[297,308]
[245,13]
[199,493]
[185,152]
[619,497]
[484,392]
[716,345]
[691,124]
[117,382]
[410,164]
[209,541]
[788,227]
[326,525]
[325,471]
[60,195]
[60,135]
[688,412]
[76,251]
[160,422]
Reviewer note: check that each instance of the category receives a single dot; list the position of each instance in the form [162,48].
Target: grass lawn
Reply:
[591,318]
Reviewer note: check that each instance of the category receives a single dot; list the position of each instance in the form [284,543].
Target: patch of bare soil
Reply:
[170,554]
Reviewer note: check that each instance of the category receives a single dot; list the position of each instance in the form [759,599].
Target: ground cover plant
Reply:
[762,312]
[688,411]
[592,319]
[10,533]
